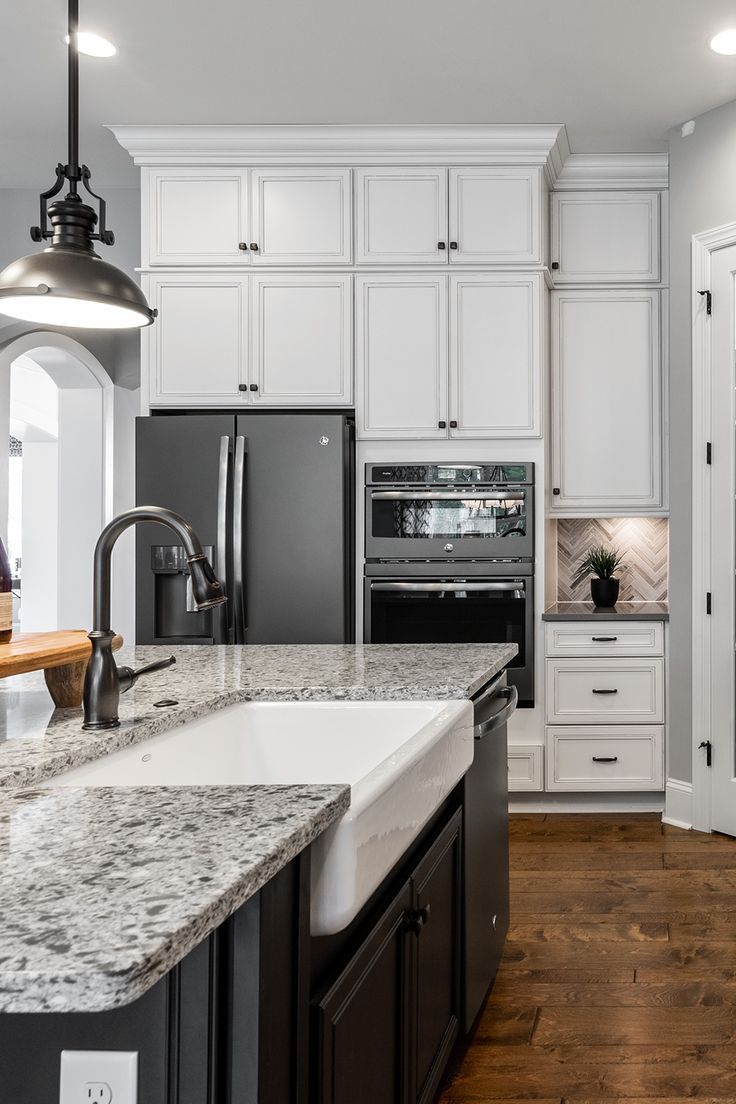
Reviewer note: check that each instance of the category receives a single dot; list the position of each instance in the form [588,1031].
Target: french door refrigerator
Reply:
[271,497]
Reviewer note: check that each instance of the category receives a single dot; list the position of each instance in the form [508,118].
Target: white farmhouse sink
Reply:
[401,759]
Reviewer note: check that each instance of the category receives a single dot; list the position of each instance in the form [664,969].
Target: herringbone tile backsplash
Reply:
[644,543]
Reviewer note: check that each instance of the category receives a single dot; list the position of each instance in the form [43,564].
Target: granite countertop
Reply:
[37,741]
[622,611]
[105,890]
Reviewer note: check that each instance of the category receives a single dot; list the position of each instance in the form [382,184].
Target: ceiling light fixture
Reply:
[67,284]
[93,44]
[724,42]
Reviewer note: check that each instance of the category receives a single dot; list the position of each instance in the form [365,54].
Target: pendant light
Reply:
[68,284]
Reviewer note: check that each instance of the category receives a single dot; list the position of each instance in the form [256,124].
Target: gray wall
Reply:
[702,196]
[118,352]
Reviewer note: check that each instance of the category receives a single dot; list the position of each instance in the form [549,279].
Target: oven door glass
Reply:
[443,612]
[478,522]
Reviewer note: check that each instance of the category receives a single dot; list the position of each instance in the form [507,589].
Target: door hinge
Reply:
[708,453]
[708,603]
[708,301]
[708,752]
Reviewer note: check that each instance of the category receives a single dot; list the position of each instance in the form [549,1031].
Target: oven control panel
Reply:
[449,474]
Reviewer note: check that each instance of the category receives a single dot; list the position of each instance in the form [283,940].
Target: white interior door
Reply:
[723,558]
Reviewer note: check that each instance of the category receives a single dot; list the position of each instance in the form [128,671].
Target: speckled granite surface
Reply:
[37,741]
[104,890]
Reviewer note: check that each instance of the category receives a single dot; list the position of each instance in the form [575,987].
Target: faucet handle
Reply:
[128,677]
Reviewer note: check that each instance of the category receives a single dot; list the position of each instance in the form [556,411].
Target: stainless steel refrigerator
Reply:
[271,497]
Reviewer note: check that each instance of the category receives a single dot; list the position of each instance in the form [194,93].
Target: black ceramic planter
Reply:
[604,592]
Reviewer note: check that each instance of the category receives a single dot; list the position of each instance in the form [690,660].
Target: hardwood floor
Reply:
[619,977]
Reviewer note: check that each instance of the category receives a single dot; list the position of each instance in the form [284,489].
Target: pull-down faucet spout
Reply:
[104,680]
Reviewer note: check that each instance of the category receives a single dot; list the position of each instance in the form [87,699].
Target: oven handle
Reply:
[506,585]
[472,494]
[510,695]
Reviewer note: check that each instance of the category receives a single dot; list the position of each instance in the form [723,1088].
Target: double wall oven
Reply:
[450,558]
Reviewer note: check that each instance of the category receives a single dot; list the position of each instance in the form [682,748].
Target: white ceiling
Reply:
[619,73]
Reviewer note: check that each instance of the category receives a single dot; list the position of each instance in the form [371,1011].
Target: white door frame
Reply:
[703,247]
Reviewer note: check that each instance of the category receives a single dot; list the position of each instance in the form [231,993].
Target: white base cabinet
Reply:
[606,402]
[605,706]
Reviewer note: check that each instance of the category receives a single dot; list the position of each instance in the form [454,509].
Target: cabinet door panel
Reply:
[197,348]
[605,237]
[197,218]
[401,324]
[606,401]
[301,216]
[496,216]
[402,216]
[302,340]
[437,888]
[496,355]
[363,1033]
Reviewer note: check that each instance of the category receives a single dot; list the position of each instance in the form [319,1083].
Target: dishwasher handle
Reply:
[511,696]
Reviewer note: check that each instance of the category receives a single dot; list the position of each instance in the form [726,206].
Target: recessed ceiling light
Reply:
[724,42]
[93,44]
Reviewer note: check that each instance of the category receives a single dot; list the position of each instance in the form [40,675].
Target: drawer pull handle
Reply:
[605,691]
[605,758]
[605,639]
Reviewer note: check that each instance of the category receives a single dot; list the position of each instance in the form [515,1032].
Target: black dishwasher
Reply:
[486,847]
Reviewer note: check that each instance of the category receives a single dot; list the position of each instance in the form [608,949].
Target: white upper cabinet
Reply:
[196,353]
[496,216]
[401,349]
[496,355]
[301,340]
[401,216]
[606,402]
[196,217]
[301,216]
[605,237]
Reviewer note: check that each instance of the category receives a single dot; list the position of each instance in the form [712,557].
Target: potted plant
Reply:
[602,563]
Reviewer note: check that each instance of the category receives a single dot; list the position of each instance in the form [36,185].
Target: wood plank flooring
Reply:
[619,977]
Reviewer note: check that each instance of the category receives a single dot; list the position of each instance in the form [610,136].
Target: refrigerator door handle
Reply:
[238,595]
[223,479]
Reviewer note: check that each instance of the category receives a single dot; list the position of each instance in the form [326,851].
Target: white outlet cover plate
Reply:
[99,1077]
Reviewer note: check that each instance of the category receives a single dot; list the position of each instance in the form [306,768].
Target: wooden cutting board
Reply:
[62,656]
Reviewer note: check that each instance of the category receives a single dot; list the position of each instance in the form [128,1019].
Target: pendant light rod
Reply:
[72,168]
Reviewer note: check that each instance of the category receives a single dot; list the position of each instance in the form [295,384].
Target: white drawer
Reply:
[604,638]
[526,767]
[590,691]
[605,757]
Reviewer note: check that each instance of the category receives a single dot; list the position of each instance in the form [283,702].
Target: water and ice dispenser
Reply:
[175,615]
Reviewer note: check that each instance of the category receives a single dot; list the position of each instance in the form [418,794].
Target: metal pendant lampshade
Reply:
[68,284]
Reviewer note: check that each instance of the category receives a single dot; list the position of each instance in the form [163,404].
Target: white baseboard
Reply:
[678,809]
[587,803]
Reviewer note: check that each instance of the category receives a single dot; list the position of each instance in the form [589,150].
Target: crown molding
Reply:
[585,171]
[545,146]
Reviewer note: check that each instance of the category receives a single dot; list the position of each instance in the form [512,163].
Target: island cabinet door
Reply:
[363,1029]
[435,925]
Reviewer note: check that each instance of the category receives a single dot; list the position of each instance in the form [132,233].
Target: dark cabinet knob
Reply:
[453,245]
[442,425]
[441,245]
[605,758]
[254,387]
[453,425]
[242,387]
[555,490]
[555,265]
[254,247]
[243,246]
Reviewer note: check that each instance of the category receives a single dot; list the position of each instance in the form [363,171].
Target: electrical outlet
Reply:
[99,1077]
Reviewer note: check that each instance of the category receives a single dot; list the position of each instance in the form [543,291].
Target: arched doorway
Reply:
[56,488]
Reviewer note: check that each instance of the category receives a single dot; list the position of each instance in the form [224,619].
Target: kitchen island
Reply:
[149,895]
